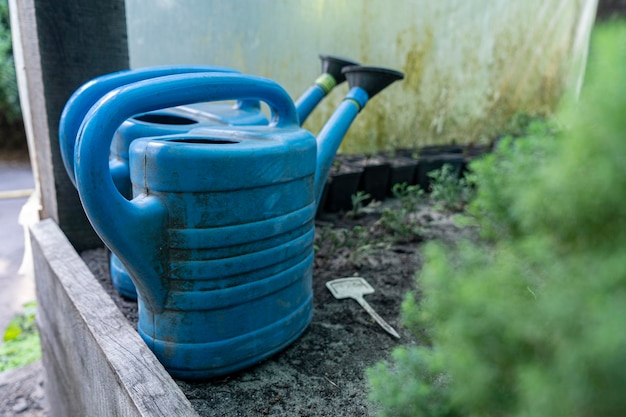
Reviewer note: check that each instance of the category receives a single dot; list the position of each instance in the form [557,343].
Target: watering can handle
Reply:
[89,93]
[121,223]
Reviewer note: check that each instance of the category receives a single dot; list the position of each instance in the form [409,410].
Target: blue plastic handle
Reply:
[89,93]
[135,229]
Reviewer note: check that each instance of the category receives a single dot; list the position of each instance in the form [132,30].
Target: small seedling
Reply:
[358,201]
[356,237]
[448,190]
[410,196]
[401,223]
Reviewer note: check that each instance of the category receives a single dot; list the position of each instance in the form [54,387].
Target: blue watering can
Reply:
[218,238]
[172,120]
[180,119]
[163,122]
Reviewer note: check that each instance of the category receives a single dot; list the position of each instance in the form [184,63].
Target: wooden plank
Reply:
[96,364]
[58,46]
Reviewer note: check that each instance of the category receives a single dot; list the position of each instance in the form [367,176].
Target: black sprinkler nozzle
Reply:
[371,79]
[334,65]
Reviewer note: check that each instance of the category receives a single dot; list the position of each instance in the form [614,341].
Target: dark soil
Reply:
[323,372]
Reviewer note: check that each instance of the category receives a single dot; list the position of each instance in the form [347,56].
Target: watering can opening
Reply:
[333,65]
[164,119]
[371,79]
[207,141]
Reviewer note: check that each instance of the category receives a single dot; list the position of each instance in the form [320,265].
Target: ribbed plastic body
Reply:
[238,246]
[159,123]
[195,116]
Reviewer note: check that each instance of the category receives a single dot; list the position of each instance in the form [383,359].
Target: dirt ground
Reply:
[323,372]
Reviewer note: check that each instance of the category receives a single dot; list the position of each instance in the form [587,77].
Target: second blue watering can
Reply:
[218,238]
[173,120]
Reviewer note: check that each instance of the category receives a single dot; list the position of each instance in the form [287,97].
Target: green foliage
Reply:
[531,323]
[22,323]
[448,190]
[358,199]
[21,340]
[403,395]
[402,222]
[499,176]
[521,123]
[355,244]
[9,97]
[331,240]
[410,196]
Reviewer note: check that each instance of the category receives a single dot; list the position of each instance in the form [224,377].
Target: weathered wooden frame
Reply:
[96,363]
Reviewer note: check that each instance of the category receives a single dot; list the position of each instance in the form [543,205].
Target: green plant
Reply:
[21,340]
[401,221]
[448,190]
[358,199]
[401,394]
[531,322]
[356,237]
[521,123]
[498,177]
[360,255]
[354,244]
[327,241]
[410,196]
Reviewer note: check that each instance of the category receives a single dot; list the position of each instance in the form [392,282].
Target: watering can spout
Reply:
[371,79]
[333,66]
[331,77]
[365,83]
